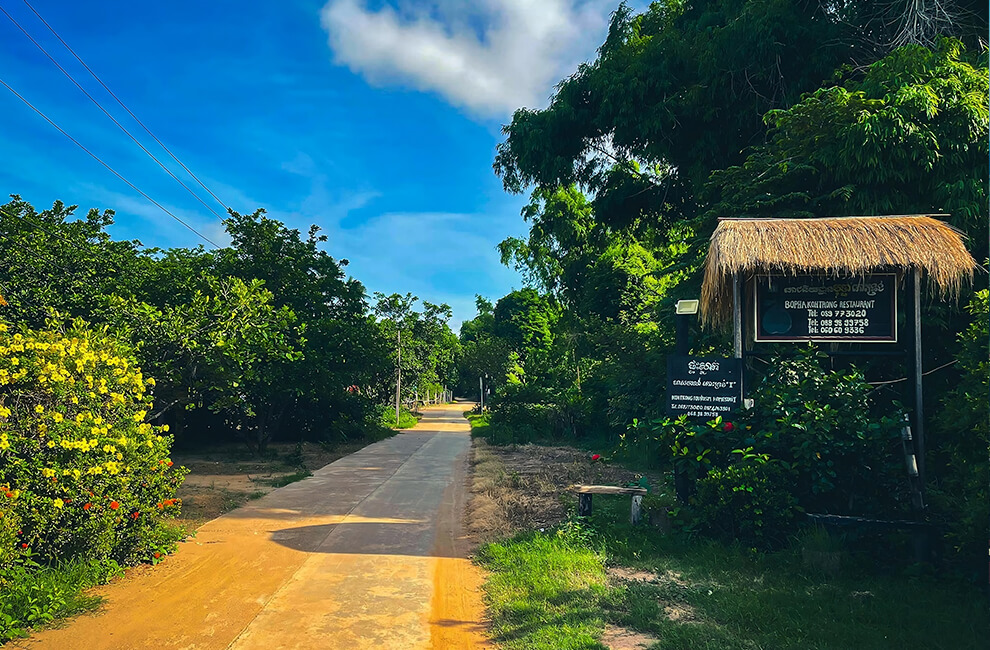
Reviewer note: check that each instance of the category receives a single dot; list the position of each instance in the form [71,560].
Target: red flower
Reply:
[596,456]
[157,555]
[728,426]
[24,545]
[87,506]
[114,505]
[9,495]
[135,515]
[170,463]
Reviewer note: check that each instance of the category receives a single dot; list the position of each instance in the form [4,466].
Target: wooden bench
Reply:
[585,492]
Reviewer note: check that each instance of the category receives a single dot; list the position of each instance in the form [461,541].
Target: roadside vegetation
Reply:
[692,112]
[560,581]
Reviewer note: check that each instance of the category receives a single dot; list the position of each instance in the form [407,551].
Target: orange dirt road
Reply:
[366,553]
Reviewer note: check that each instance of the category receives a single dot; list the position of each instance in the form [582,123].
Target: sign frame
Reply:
[826,338]
[716,394]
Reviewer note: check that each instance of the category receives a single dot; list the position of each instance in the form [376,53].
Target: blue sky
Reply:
[377,121]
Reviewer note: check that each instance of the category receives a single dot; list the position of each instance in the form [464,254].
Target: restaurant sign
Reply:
[703,387]
[826,308]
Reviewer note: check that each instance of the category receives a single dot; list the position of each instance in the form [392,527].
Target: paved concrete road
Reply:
[366,553]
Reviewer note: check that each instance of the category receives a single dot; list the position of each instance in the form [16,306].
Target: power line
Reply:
[105,112]
[109,168]
[122,105]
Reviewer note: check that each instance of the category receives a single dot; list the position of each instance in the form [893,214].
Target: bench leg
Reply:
[634,513]
[584,505]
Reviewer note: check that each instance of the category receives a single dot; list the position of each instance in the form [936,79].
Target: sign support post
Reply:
[919,414]
[737,315]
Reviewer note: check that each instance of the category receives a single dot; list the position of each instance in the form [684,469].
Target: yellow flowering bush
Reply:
[82,474]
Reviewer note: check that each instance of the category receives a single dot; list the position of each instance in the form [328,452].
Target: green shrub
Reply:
[959,462]
[814,440]
[406,418]
[82,475]
[749,501]
[519,423]
[843,446]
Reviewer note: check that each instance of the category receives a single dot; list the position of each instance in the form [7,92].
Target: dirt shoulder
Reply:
[523,487]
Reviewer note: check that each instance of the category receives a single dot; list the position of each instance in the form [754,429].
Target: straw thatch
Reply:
[840,246]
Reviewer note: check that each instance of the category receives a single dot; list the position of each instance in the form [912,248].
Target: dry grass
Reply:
[846,246]
[522,487]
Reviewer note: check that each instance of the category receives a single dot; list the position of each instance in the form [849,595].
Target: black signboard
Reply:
[824,308]
[703,387]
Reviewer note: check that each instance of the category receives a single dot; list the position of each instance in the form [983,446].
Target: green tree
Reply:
[907,136]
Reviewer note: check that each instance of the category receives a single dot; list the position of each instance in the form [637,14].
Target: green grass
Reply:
[549,590]
[407,419]
[282,481]
[35,596]
[478,422]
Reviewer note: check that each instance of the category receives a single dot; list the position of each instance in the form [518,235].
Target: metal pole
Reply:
[481,391]
[681,322]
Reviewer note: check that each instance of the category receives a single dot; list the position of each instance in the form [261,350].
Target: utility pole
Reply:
[398,373]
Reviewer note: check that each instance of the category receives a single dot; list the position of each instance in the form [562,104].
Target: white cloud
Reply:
[490,56]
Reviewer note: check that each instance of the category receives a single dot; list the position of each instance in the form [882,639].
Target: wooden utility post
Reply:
[398,373]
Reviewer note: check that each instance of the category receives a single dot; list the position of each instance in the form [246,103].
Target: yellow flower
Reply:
[165,428]
[57,417]
[74,399]
[39,409]
[140,415]
[4,443]
[58,503]
[47,472]
[4,412]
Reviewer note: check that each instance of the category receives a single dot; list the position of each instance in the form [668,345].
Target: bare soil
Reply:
[620,638]
[522,487]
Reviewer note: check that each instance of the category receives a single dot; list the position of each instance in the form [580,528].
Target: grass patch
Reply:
[550,590]
[544,591]
[478,422]
[407,419]
[36,596]
[282,481]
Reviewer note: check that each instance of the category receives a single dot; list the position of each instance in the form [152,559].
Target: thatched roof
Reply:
[841,246]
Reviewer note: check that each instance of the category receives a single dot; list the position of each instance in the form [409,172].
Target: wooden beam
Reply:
[737,315]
